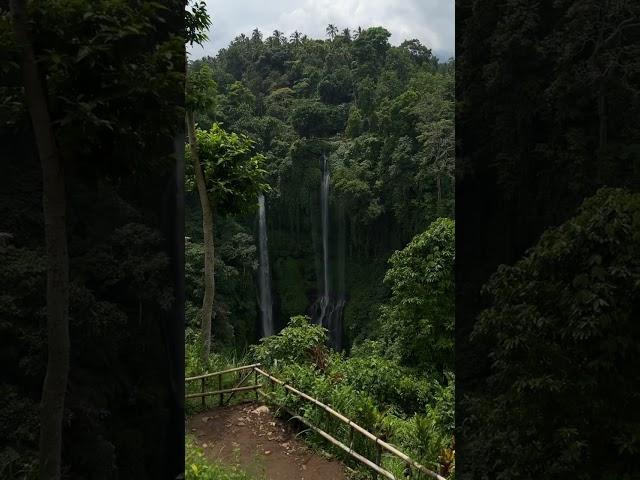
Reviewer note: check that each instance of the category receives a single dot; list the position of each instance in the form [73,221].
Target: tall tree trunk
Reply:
[207,227]
[54,208]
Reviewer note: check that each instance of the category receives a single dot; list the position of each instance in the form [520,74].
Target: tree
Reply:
[439,152]
[278,37]
[370,48]
[54,209]
[200,95]
[418,51]
[296,37]
[365,95]
[354,123]
[239,94]
[336,88]
[199,98]
[332,31]
[228,177]
[311,118]
[418,320]
[197,22]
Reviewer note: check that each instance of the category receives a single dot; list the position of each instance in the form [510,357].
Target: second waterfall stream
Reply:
[264,272]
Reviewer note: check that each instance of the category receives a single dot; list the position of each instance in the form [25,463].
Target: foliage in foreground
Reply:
[411,411]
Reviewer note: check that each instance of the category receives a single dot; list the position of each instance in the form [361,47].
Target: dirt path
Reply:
[250,436]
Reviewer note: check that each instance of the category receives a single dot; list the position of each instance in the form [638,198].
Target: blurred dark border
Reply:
[122,142]
[547,114]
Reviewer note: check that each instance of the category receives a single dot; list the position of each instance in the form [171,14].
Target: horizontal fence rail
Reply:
[226,390]
[380,444]
[222,391]
[215,374]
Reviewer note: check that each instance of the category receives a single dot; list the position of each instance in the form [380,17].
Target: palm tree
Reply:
[346,33]
[332,31]
[358,33]
[296,36]
[276,35]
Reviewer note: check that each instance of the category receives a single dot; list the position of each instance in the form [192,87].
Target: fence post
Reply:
[255,378]
[378,457]
[220,388]
[351,438]
[203,401]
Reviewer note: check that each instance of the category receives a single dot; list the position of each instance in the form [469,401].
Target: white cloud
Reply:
[430,21]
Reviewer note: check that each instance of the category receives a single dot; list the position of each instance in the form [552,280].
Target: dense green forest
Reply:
[328,165]
[381,116]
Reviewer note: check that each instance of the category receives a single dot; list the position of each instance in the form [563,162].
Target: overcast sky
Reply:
[430,21]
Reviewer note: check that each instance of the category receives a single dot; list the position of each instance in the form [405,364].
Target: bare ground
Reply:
[249,435]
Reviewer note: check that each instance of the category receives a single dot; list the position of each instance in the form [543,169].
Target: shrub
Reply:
[299,342]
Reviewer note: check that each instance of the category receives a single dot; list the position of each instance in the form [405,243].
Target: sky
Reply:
[430,21]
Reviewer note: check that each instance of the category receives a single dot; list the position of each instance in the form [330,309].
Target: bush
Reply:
[299,342]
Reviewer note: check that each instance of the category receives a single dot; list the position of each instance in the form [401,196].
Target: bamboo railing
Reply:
[221,391]
[380,444]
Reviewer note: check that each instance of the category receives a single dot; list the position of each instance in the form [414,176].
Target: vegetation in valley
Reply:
[383,117]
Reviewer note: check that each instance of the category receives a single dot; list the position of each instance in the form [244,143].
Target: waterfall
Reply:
[266,306]
[327,310]
[324,200]
[324,206]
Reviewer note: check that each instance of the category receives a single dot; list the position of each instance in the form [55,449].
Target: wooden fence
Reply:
[239,386]
[255,369]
